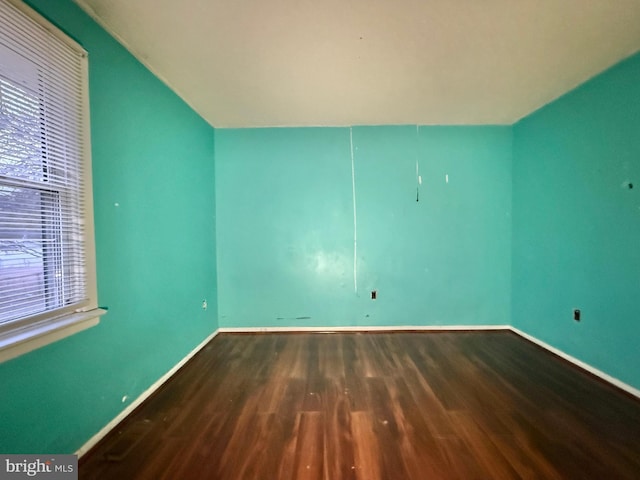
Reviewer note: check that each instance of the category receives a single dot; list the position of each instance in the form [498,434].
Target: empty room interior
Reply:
[357,239]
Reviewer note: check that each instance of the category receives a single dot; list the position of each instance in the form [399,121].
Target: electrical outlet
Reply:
[204,304]
[576,315]
[374,294]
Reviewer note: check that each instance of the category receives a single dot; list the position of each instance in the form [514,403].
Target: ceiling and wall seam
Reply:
[296,63]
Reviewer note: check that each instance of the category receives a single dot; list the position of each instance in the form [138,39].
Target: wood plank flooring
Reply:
[447,405]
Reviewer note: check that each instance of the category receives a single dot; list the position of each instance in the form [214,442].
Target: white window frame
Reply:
[17,338]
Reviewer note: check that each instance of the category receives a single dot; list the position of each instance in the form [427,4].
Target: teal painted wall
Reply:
[576,229]
[153,156]
[285,226]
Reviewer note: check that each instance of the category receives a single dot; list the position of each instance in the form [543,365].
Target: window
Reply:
[47,271]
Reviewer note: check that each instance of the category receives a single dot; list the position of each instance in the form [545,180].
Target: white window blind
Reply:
[44,234]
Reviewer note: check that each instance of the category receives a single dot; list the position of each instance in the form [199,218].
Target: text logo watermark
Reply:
[49,467]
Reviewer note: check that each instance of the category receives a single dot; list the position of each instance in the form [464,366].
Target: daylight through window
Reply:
[46,246]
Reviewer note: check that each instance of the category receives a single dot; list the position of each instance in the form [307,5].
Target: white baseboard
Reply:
[364,328]
[143,396]
[585,366]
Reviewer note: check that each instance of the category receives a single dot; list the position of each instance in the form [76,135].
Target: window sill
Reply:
[15,343]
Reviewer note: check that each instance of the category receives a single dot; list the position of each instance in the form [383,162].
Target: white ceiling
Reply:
[255,63]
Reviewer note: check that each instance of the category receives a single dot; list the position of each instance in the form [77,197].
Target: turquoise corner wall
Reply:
[154,177]
[436,253]
[576,229]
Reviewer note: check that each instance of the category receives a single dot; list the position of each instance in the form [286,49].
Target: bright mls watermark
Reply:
[50,467]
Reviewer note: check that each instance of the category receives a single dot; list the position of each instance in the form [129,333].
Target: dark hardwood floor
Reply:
[450,405]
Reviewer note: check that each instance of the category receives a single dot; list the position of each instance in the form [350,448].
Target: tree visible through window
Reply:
[23,232]
[45,217]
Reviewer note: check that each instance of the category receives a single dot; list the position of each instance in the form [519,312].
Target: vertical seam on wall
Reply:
[355,221]
[418,179]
